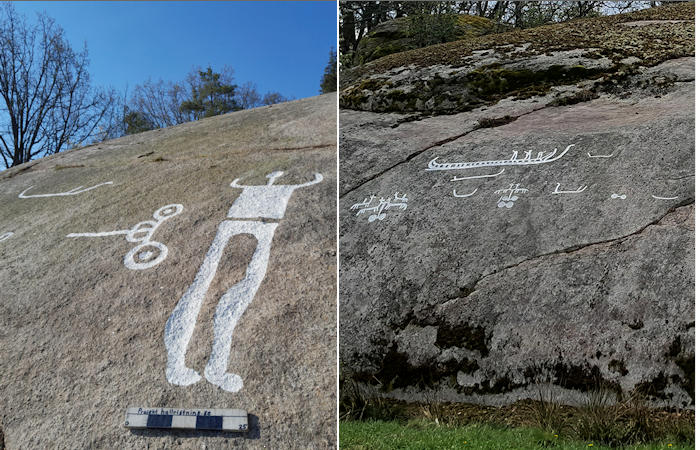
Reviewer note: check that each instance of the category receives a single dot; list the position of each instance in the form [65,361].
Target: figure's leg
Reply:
[180,325]
[233,304]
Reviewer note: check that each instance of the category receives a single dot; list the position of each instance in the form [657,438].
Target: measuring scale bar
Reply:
[187,419]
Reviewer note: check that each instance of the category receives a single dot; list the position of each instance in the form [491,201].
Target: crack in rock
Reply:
[473,287]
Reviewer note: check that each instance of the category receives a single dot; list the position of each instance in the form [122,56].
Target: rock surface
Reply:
[82,335]
[585,278]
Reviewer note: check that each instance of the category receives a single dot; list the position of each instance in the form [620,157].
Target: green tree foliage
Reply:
[211,95]
[136,122]
[203,93]
[329,81]
[429,29]
[359,18]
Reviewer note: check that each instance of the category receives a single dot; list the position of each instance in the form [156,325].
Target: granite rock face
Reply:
[554,250]
[82,328]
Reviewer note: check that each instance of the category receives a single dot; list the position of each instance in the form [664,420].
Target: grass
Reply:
[422,434]
[606,419]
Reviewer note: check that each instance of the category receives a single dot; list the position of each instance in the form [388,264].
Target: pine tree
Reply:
[329,82]
[211,96]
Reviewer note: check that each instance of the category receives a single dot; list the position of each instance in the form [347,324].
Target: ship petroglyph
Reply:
[455,178]
[514,160]
[147,253]
[74,191]
[600,156]
[259,202]
[454,193]
[664,198]
[576,191]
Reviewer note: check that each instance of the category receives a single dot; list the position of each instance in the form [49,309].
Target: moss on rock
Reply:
[609,49]
[395,36]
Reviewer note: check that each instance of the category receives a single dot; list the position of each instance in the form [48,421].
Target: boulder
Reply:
[469,74]
[396,35]
[107,249]
[536,241]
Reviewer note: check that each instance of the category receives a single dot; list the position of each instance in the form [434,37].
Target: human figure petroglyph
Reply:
[147,253]
[364,203]
[513,161]
[255,202]
[74,191]
[383,205]
[508,196]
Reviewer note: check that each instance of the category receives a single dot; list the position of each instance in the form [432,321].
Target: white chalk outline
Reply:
[148,227]
[600,156]
[5,236]
[455,178]
[74,191]
[664,198]
[513,161]
[577,191]
[259,201]
[620,196]
[454,192]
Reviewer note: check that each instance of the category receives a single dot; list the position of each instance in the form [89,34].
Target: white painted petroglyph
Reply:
[6,236]
[266,200]
[261,201]
[541,158]
[664,198]
[74,191]
[382,205]
[364,203]
[455,178]
[621,197]
[454,192]
[508,197]
[600,156]
[577,191]
[141,256]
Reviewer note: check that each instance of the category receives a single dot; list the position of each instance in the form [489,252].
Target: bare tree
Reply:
[160,102]
[272,98]
[47,102]
[248,96]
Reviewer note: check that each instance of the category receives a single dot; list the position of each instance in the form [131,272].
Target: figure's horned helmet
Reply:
[265,201]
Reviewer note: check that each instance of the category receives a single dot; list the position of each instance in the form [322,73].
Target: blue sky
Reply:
[280,46]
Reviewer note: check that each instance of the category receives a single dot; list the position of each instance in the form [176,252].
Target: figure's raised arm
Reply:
[234,184]
[317,179]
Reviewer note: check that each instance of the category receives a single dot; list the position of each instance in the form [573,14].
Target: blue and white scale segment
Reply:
[187,419]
